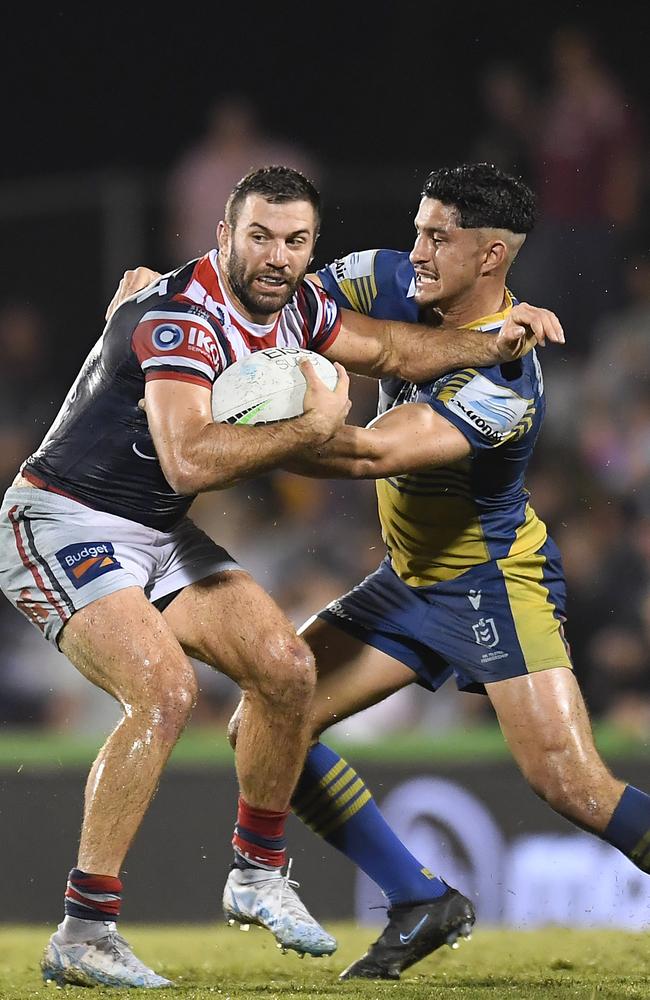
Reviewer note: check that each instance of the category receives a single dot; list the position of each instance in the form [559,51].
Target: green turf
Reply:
[204,746]
[221,963]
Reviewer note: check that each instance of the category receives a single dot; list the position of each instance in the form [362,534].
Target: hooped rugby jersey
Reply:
[441,522]
[184,327]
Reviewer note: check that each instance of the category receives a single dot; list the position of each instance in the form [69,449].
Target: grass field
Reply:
[221,963]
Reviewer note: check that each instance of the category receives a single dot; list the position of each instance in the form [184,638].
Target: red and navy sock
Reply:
[259,840]
[92,897]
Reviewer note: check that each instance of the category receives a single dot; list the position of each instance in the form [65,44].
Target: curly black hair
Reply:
[484,197]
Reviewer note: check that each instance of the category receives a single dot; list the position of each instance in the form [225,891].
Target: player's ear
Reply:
[223,234]
[494,256]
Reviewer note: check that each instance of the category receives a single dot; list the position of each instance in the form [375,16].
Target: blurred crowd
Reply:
[582,141]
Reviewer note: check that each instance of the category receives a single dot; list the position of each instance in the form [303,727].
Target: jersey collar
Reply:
[495,320]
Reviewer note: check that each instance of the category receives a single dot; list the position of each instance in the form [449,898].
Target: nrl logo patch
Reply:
[485,632]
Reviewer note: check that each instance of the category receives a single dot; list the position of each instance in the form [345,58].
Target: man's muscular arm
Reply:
[197,454]
[409,438]
[377,348]
[418,353]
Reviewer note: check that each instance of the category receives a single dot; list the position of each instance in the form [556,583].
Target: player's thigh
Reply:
[122,644]
[544,720]
[229,622]
[350,674]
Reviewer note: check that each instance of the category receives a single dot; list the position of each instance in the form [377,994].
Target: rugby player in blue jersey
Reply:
[97,550]
[471,586]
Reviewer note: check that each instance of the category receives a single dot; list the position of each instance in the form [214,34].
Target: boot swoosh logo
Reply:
[406,938]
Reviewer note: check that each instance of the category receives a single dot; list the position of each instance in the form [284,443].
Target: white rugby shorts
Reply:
[57,556]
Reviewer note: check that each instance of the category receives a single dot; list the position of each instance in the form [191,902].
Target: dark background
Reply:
[88,88]
[99,103]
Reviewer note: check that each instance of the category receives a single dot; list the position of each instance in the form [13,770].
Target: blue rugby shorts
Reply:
[498,620]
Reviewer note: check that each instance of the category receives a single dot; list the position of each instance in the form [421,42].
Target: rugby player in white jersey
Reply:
[97,550]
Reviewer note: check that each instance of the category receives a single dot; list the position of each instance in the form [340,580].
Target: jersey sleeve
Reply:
[364,279]
[486,412]
[178,342]
[320,315]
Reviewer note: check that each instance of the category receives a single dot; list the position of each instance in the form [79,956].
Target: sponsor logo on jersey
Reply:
[167,337]
[476,419]
[202,341]
[86,561]
[355,265]
[492,409]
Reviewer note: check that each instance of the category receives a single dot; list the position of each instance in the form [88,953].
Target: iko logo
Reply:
[485,632]
[474,598]
[86,561]
[167,337]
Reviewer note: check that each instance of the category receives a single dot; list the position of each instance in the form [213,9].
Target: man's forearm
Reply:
[222,455]
[345,456]
[428,352]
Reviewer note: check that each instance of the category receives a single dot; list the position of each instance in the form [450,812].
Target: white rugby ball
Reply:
[266,386]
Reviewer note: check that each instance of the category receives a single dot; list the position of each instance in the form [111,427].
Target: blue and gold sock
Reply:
[629,827]
[334,802]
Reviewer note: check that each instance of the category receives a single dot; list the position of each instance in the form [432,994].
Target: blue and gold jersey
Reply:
[439,523]
[381,284]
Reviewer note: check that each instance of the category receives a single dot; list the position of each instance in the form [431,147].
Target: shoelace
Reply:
[290,899]
[117,944]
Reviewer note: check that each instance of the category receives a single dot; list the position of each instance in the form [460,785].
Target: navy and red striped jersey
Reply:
[184,327]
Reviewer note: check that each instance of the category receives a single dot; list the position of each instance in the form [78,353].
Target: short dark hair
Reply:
[276,184]
[484,196]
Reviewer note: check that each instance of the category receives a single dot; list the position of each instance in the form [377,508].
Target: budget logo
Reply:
[86,561]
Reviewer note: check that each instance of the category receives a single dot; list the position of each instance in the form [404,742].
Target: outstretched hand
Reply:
[526,327]
[130,283]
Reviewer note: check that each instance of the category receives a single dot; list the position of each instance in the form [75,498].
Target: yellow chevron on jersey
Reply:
[455,383]
[439,523]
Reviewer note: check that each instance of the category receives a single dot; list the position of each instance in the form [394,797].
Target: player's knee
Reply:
[289,672]
[168,707]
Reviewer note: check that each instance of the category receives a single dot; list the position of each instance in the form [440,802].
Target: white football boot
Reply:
[268,899]
[105,961]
